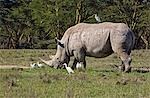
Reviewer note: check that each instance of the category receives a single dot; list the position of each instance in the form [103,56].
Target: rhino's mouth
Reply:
[58,65]
[50,63]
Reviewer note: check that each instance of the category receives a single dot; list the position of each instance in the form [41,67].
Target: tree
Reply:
[135,13]
[35,23]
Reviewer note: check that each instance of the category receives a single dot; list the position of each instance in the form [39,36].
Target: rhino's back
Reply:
[95,38]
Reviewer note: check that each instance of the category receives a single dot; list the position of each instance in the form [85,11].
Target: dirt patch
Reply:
[12,66]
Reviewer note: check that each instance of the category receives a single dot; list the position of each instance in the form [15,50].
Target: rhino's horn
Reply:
[51,56]
[49,62]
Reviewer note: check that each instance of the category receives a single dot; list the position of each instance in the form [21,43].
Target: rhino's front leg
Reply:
[79,61]
[77,64]
[81,65]
[74,64]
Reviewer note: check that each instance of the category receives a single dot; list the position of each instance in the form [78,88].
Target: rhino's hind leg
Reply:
[126,60]
[122,67]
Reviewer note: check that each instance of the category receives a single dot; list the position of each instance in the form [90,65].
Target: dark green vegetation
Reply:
[35,23]
[100,80]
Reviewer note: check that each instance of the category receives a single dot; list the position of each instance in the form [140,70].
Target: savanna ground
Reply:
[100,80]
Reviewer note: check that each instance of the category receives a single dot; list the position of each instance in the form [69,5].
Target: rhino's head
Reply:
[60,57]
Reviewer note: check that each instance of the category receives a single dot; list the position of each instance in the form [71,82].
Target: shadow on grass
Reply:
[104,70]
[115,68]
[143,69]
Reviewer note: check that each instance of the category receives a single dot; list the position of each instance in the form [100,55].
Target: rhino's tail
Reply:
[133,39]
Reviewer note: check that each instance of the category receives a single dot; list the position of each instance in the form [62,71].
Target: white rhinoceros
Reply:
[95,40]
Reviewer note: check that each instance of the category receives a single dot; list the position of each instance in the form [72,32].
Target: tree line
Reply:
[33,24]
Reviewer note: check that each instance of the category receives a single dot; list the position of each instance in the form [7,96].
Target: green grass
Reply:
[22,57]
[100,80]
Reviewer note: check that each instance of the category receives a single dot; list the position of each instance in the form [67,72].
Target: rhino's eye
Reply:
[57,58]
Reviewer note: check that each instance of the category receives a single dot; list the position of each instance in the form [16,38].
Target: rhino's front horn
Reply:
[46,62]
[51,56]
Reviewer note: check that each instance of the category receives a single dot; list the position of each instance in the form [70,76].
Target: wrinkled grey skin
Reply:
[95,40]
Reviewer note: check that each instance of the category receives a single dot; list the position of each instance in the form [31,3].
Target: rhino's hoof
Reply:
[121,68]
[127,70]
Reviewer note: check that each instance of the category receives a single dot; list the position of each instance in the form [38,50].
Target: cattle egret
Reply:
[78,65]
[144,1]
[69,70]
[97,18]
[39,65]
[33,65]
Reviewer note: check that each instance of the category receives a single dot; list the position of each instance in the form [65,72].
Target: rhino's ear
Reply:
[59,42]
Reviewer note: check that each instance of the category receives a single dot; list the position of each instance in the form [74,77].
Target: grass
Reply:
[22,57]
[100,80]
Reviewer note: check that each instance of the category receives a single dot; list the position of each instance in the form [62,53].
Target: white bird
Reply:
[69,70]
[144,1]
[97,18]
[78,65]
[33,65]
[39,65]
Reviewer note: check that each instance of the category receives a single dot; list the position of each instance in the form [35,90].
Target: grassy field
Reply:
[100,80]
